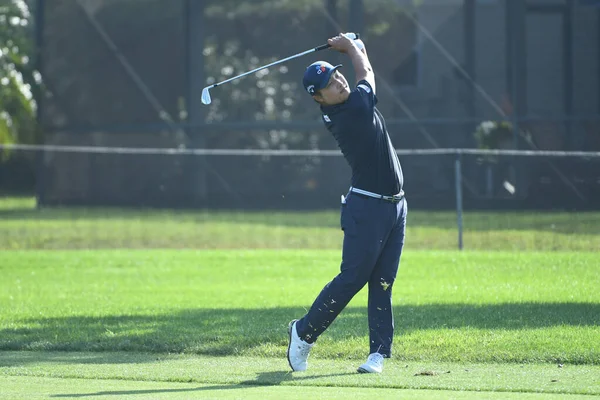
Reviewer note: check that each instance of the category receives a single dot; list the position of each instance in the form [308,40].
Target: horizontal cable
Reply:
[298,153]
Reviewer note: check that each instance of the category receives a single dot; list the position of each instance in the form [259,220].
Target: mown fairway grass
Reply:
[24,227]
[472,307]
[492,313]
[133,376]
[141,322]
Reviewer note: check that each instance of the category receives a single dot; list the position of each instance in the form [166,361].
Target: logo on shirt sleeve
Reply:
[326,118]
[365,88]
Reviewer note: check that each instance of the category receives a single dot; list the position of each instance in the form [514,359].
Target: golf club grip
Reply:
[327,45]
[322,47]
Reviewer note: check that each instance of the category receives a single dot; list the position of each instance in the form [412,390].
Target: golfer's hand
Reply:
[341,43]
[359,43]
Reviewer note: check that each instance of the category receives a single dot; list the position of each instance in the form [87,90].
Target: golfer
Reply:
[373,215]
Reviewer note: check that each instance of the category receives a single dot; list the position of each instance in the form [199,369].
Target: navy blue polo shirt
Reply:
[360,131]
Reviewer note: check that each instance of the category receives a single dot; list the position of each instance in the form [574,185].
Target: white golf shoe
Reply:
[374,364]
[298,349]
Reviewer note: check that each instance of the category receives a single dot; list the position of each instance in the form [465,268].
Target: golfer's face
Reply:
[336,91]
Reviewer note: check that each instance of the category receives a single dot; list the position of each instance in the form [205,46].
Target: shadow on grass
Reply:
[150,391]
[235,331]
[271,378]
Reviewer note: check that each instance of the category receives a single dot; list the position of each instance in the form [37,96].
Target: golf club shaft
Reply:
[318,48]
[272,64]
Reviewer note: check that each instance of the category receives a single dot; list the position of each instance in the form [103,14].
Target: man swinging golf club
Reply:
[373,215]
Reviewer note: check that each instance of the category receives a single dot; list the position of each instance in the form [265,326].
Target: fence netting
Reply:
[91,174]
[123,198]
[130,73]
[468,74]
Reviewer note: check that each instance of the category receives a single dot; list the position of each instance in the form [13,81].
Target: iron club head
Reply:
[206,95]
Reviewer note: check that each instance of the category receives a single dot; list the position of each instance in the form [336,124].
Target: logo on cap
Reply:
[321,69]
[311,89]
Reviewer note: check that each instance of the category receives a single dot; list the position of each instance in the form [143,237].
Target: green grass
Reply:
[472,307]
[24,227]
[102,303]
[65,375]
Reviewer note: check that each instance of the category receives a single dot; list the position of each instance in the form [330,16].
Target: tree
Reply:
[19,81]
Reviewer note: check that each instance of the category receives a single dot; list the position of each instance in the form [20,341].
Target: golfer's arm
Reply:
[362,65]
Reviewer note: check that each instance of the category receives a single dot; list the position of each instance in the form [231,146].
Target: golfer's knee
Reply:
[353,281]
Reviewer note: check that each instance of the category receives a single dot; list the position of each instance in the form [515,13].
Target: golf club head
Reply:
[206,95]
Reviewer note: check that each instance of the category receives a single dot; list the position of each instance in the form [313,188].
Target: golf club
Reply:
[206,94]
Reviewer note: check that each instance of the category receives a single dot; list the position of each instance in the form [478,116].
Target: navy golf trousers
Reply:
[373,239]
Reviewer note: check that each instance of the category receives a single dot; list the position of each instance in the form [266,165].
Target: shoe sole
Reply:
[290,327]
[362,370]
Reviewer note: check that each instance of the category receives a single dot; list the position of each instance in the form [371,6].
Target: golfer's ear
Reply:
[318,98]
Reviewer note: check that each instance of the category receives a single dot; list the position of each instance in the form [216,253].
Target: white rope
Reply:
[288,153]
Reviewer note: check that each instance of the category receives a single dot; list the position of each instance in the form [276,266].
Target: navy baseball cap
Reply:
[317,76]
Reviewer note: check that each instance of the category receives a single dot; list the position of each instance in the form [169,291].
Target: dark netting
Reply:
[129,73]
[311,181]
[114,62]
[188,180]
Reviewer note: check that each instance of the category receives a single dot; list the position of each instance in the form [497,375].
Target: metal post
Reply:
[333,26]
[194,18]
[567,19]
[40,136]
[459,199]
[517,36]
[519,59]
[469,43]
[356,24]
[508,10]
[357,15]
[598,57]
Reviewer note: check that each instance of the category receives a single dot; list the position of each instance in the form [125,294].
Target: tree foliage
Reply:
[19,82]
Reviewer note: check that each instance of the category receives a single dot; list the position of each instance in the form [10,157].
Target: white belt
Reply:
[394,199]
